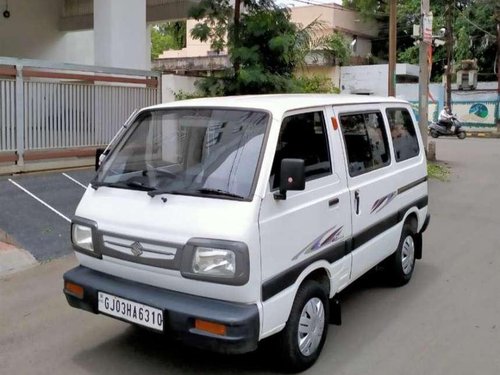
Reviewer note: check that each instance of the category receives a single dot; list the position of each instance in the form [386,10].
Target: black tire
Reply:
[434,134]
[293,360]
[461,135]
[401,264]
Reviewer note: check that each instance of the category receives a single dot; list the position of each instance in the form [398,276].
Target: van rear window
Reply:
[366,141]
[404,137]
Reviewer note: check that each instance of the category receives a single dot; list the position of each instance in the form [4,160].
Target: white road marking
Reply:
[39,200]
[75,181]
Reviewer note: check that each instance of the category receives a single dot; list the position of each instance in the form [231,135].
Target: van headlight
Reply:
[83,232]
[217,261]
[214,262]
[81,236]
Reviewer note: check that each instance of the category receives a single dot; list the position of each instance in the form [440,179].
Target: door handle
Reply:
[333,202]
[356,198]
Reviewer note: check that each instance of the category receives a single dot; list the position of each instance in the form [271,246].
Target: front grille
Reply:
[140,250]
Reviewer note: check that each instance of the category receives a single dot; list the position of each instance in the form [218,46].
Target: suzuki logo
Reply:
[136,249]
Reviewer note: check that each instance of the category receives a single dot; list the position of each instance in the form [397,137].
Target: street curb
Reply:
[5,237]
[483,134]
[14,259]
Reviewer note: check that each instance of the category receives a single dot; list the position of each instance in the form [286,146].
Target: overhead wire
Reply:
[474,24]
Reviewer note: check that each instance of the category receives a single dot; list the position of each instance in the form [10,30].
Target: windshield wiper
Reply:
[219,192]
[154,192]
[134,185]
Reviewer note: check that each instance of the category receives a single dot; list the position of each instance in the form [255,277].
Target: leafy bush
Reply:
[315,84]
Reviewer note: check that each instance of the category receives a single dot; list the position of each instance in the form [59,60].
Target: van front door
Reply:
[310,225]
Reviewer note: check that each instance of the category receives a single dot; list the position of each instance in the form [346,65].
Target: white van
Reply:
[224,221]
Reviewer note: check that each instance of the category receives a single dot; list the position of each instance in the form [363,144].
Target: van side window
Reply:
[303,136]
[404,137]
[366,141]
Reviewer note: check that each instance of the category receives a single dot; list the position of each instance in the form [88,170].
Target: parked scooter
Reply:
[454,127]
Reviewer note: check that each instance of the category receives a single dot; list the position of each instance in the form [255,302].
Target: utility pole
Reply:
[423,82]
[391,84]
[449,50]
[237,6]
[497,16]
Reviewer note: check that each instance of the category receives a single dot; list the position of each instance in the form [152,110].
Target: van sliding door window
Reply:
[366,141]
[404,137]
[303,136]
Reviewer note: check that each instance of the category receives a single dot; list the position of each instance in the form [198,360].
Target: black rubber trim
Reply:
[179,310]
[283,280]
[412,185]
[426,223]
[385,224]
[373,231]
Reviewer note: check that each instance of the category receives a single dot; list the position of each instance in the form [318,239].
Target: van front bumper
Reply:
[179,310]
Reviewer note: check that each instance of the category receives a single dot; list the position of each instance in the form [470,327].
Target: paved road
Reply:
[446,321]
[34,226]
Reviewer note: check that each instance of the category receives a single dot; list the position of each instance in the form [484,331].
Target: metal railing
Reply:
[47,106]
[7,115]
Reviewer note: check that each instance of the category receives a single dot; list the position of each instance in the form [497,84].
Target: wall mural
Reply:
[475,114]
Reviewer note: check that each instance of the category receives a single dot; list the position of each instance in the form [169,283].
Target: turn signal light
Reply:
[335,123]
[74,289]
[210,327]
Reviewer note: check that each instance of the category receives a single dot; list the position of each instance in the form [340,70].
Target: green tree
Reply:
[266,47]
[337,46]
[473,25]
[170,35]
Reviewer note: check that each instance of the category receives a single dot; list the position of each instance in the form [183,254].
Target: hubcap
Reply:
[311,326]
[408,255]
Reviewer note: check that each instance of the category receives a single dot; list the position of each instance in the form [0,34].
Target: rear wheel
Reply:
[461,135]
[434,134]
[401,264]
[304,335]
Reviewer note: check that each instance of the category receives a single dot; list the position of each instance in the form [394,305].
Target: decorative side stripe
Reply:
[336,251]
[381,226]
[330,236]
[383,202]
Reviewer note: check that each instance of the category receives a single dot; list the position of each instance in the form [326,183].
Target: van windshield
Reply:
[205,152]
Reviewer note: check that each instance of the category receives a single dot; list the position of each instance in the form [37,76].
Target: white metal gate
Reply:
[50,106]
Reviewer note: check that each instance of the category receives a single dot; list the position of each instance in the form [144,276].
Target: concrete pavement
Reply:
[14,259]
[446,321]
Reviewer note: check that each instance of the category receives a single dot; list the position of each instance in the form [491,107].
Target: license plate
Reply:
[134,312]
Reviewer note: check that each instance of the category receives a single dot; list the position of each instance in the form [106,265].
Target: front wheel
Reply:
[304,335]
[461,135]
[434,134]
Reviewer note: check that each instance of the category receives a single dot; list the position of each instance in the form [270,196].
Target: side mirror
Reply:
[99,155]
[292,177]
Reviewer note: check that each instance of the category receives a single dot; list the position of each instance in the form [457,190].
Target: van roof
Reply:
[279,102]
